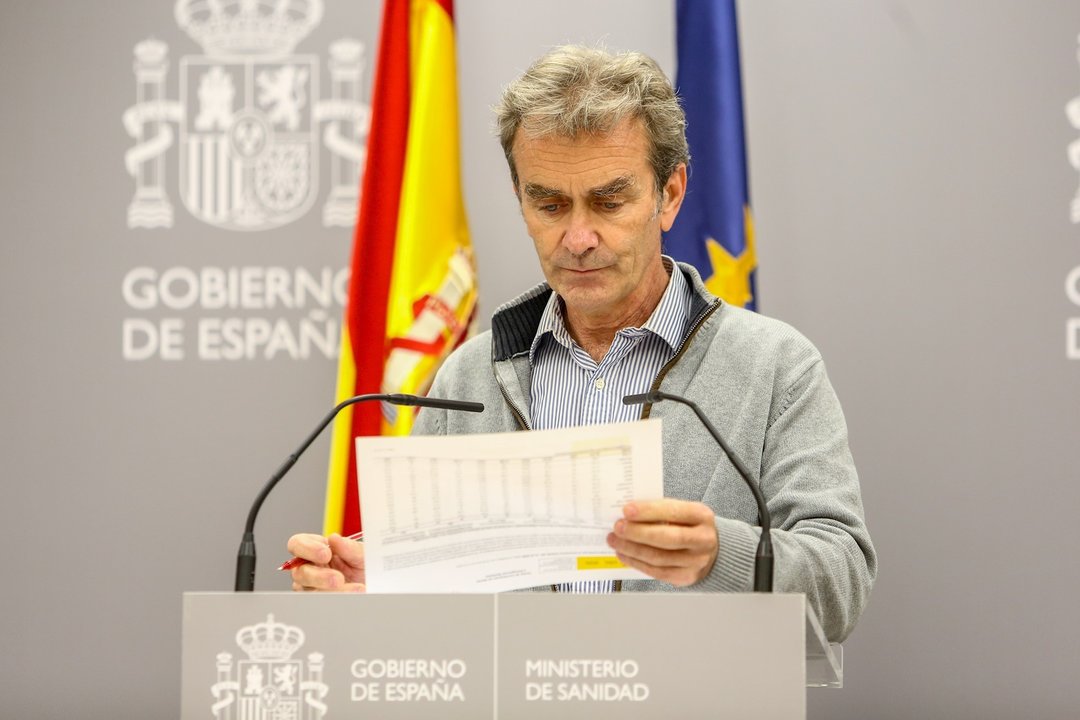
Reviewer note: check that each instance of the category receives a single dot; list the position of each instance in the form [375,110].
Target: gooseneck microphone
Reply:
[763,559]
[245,557]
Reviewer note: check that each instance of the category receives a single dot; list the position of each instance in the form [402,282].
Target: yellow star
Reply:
[730,277]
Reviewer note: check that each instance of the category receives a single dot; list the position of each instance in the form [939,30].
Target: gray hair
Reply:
[574,90]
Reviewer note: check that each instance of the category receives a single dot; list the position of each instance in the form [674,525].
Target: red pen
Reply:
[297,562]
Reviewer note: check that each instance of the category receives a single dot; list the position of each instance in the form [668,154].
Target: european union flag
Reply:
[714,230]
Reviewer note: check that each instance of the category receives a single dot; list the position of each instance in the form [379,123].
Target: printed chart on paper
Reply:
[488,513]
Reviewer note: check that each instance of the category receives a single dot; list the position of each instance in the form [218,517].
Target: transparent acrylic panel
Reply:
[824,660]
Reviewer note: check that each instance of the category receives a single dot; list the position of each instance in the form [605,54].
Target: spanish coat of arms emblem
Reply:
[249,118]
[270,684]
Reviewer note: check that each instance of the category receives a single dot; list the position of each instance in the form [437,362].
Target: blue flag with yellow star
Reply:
[714,231]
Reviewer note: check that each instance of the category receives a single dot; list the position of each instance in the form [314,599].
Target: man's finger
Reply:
[318,578]
[311,547]
[666,536]
[668,510]
[678,576]
[655,557]
[349,552]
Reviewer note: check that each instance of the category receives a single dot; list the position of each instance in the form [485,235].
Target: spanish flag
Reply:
[412,292]
[714,231]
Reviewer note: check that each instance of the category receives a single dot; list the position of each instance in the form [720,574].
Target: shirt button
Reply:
[599,383]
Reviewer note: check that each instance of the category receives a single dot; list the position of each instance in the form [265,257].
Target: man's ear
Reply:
[674,194]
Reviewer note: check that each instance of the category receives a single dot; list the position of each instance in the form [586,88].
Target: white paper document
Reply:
[489,513]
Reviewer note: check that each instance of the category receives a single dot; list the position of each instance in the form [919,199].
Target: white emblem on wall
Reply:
[1072,110]
[269,684]
[1072,279]
[249,119]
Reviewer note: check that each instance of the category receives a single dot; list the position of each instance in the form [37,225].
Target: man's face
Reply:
[590,206]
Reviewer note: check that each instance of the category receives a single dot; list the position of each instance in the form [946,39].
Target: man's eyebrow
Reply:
[539,192]
[616,186]
[535,191]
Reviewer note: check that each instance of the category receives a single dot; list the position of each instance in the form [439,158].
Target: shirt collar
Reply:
[667,320]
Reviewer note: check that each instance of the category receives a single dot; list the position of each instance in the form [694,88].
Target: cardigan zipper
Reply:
[701,318]
[518,415]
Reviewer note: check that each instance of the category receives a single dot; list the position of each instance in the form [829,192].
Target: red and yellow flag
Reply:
[412,292]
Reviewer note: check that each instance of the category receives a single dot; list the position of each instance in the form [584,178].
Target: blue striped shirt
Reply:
[570,389]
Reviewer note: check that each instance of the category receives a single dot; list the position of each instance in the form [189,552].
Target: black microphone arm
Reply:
[245,557]
[763,560]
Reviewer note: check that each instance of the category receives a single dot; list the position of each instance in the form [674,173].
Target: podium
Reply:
[250,656]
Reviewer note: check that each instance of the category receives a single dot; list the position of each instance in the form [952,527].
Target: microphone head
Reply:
[641,398]
[440,403]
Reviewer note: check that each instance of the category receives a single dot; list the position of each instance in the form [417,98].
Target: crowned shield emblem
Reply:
[270,684]
[269,689]
[249,114]
[248,147]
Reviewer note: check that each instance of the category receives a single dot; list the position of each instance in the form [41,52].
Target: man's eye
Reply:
[610,205]
[549,208]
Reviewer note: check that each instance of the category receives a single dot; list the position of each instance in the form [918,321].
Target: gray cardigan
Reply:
[764,387]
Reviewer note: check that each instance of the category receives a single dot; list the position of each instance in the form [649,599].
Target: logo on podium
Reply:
[269,684]
[248,119]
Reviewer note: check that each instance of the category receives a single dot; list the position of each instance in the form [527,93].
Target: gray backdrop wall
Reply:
[913,190]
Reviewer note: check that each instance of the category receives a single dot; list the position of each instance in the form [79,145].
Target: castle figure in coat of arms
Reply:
[249,118]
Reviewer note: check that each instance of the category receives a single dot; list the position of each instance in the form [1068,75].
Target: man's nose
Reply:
[581,236]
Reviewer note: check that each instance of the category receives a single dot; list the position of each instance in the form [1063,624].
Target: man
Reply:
[598,159]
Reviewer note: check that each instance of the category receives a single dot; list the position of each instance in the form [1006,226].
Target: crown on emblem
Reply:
[151,52]
[263,27]
[270,640]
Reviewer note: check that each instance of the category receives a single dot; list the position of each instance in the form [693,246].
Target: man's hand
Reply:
[670,540]
[335,563]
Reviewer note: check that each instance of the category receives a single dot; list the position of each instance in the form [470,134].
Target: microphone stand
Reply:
[245,556]
[763,559]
